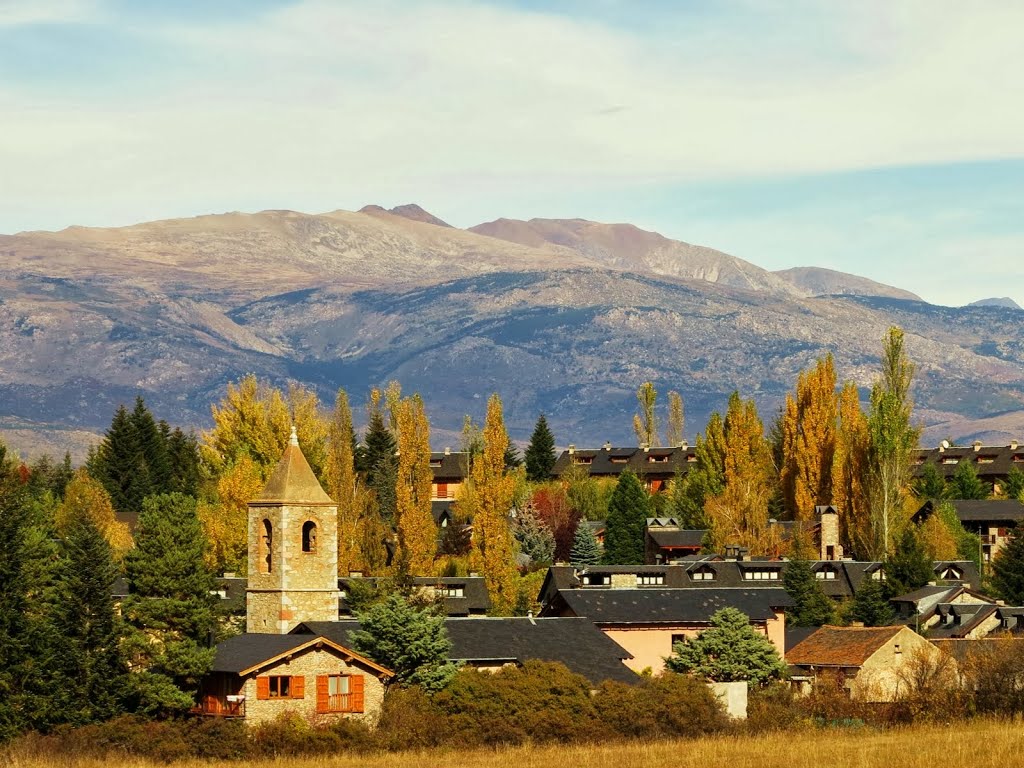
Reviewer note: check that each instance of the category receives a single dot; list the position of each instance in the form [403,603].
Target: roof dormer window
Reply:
[951,574]
[950,459]
[764,574]
[650,580]
[583,460]
[596,579]
[703,573]
[652,459]
[878,575]
[825,574]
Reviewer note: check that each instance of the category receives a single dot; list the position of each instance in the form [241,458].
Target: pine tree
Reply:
[1008,570]
[14,629]
[417,532]
[645,423]
[628,511]
[705,480]
[1013,488]
[152,445]
[119,465]
[730,651]
[893,440]
[534,538]
[90,672]
[540,453]
[512,457]
[586,549]
[382,468]
[930,484]
[183,455]
[171,609]
[412,642]
[909,567]
[494,552]
[965,483]
[812,607]
[871,605]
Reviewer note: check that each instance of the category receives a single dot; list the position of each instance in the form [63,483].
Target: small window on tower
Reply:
[267,548]
[309,536]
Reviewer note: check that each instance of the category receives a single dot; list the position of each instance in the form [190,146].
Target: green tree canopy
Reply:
[540,453]
[965,483]
[871,604]
[909,567]
[1014,485]
[930,485]
[410,641]
[812,606]
[730,651]
[628,510]
[586,549]
[1008,570]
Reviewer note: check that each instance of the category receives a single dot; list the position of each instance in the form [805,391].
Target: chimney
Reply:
[646,447]
[683,445]
[976,445]
[447,451]
[608,445]
[857,624]
[572,449]
[1013,445]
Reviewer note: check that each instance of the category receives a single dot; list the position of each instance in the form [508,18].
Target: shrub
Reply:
[669,706]
[773,707]
[410,719]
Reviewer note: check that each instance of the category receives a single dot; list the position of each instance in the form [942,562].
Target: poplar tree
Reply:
[809,440]
[540,453]
[87,499]
[674,431]
[645,423]
[226,521]
[494,546]
[171,609]
[345,487]
[417,532]
[850,474]
[893,440]
[628,510]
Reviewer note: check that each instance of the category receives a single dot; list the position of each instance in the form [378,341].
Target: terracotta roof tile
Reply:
[840,646]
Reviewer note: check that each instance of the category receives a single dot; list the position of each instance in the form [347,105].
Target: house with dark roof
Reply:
[459,595]
[260,677]
[871,663]
[666,542]
[492,643]
[648,621]
[991,519]
[449,470]
[993,463]
[654,466]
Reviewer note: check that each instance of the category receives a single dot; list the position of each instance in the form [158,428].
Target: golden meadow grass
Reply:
[980,744]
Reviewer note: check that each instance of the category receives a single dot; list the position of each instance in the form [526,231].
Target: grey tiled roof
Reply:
[665,606]
[610,462]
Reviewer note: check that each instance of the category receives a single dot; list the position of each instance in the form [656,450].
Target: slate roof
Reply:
[292,481]
[475,599]
[670,539]
[963,618]
[665,606]
[796,635]
[610,462]
[577,643]
[841,646]
[244,651]
[449,467]
[983,511]
[992,462]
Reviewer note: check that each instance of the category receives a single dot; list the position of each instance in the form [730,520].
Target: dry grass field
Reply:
[980,744]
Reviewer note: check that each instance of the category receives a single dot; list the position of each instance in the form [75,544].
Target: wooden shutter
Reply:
[298,687]
[323,699]
[263,687]
[356,689]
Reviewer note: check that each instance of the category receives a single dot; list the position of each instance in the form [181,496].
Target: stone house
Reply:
[872,663]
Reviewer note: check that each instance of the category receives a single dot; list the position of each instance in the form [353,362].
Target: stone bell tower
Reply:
[293,549]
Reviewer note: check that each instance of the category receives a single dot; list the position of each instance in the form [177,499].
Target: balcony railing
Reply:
[220,706]
[340,702]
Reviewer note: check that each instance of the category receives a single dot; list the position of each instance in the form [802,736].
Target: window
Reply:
[878,575]
[596,579]
[441,491]
[657,459]
[951,574]
[765,575]
[583,460]
[266,548]
[619,460]
[703,574]
[339,693]
[451,590]
[435,462]
[650,579]
[1018,458]
[280,687]
[826,574]
[986,459]
[309,536]
[678,639]
[691,458]
[951,460]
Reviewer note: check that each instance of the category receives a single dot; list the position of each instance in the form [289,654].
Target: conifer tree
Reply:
[1008,570]
[119,465]
[1013,488]
[534,538]
[930,484]
[675,430]
[14,629]
[730,651]
[90,673]
[892,441]
[417,532]
[812,607]
[871,605]
[512,457]
[645,423]
[628,510]
[909,567]
[705,480]
[171,609]
[540,453]
[965,483]
[183,455]
[152,445]
[381,464]
[494,546]
[586,549]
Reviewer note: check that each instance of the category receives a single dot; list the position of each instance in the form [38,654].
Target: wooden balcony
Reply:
[220,706]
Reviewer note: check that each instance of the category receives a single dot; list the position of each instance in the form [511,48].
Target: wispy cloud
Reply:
[20,13]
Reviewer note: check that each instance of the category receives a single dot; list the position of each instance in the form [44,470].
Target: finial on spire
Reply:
[294,439]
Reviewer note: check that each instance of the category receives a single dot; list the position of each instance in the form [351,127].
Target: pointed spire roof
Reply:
[293,481]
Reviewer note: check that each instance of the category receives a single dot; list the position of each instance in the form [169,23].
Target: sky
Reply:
[879,137]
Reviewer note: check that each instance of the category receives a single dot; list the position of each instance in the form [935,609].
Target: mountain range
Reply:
[564,316]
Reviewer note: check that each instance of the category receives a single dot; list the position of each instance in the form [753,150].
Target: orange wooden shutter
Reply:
[298,687]
[262,687]
[356,689]
[323,699]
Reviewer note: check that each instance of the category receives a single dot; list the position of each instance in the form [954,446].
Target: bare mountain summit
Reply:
[817,281]
[409,211]
[631,249]
[1005,302]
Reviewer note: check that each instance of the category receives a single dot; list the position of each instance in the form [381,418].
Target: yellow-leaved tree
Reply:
[849,473]
[225,521]
[494,548]
[86,498]
[417,532]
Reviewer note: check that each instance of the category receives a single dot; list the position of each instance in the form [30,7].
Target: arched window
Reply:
[309,536]
[267,548]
